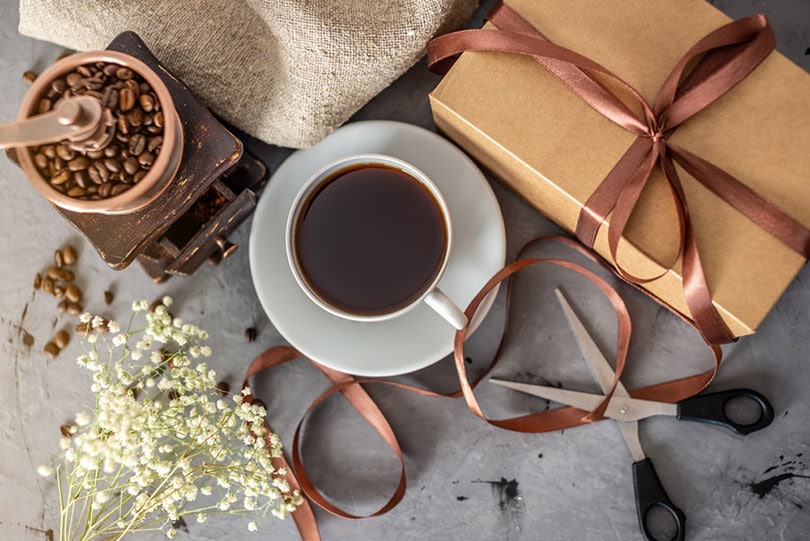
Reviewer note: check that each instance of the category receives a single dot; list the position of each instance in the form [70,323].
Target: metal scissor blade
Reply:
[599,365]
[601,369]
[583,401]
[621,408]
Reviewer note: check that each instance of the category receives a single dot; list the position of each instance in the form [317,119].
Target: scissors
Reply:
[627,411]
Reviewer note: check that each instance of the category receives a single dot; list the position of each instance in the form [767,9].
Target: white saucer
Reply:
[419,337]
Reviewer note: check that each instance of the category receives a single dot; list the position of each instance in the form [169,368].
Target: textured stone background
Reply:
[466,480]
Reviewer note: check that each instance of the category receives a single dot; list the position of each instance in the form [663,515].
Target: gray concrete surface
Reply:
[575,484]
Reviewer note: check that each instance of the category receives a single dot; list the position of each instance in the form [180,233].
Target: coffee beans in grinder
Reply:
[137,162]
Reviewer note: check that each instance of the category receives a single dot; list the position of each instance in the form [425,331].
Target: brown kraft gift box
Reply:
[543,142]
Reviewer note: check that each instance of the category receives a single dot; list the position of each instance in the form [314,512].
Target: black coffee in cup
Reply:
[370,239]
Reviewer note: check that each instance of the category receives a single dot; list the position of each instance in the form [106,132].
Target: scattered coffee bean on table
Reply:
[223,388]
[108,297]
[29,76]
[139,122]
[62,339]
[51,350]
[69,255]
[73,293]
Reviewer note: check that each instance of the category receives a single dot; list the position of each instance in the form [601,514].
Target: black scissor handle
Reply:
[711,408]
[650,494]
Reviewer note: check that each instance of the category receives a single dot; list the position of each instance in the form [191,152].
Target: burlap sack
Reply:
[286,71]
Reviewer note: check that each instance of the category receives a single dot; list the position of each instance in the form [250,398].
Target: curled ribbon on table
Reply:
[544,421]
[724,58]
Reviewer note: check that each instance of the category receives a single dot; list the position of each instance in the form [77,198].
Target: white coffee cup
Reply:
[336,171]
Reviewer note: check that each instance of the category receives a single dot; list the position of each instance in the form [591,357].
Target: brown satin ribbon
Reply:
[721,60]
[544,421]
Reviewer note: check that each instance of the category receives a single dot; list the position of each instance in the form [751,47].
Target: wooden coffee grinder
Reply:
[174,206]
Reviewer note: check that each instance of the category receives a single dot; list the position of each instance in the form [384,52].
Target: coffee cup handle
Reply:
[446,308]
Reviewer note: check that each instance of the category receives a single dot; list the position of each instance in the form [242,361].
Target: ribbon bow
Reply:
[721,60]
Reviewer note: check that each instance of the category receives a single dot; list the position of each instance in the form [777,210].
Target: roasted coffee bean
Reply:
[123,125]
[76,191]
[134,86]
[108,297]
[94,94]
[112,150]
[69,255]
[60,177]
[74,308]
[154,143]
[131,165]
[52,273]
[137,144]
[147,102]
[58,291]
[92,84]
[98,173]
[110,99]
[113,166]
[104,190]
[84,71]
[44,105]
[138,177]
[80,178]
[29,76]
[78,163]
[59,164]
[73,79]
[37,281]
[62,306]
[65,431]
[146,159]
[49,151]
[62,339]
[47,285]
[64,152]
[95,154]
[51,350]
[158,119]
[57,259]
[123,73]
[40,160]
[223,388]
[66,275]
[126,99]
[73,293]
[135,117]
[145,88]
[58,85]
[118,189]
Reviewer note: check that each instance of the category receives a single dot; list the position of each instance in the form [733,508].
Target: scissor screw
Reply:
[623,410]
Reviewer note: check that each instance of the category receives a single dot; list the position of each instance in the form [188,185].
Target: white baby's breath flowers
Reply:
[161,444]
